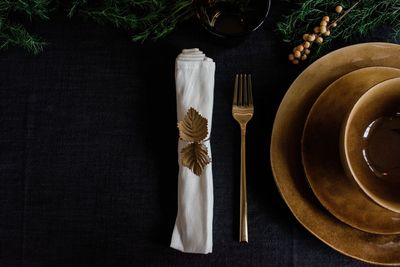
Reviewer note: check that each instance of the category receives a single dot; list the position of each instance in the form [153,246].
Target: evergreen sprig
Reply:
[146,19]
[153,19]
[13,33]
[367,16]
[17,35]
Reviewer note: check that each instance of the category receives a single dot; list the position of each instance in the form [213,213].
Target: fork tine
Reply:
[245,91]
[240,102]
[235,92]
[250,91]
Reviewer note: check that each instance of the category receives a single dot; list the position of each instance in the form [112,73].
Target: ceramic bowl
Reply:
[335,190]
[231,18]
[370,143]
[285,153]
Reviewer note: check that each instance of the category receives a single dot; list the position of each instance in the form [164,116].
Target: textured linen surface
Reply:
[88,158]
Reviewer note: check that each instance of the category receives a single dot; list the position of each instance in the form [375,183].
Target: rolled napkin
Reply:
[194,78]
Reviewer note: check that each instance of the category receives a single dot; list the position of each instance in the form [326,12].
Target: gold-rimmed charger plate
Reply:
[286,153]
[333,187]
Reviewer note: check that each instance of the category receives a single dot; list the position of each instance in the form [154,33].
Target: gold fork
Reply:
[242,111]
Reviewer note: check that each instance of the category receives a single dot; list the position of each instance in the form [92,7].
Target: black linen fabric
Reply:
[88,161]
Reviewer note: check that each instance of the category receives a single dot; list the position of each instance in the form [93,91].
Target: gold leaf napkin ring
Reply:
[194,129]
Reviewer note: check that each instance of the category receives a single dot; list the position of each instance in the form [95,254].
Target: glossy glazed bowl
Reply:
[370,143]
[230,19]
[335,189]
[286,162]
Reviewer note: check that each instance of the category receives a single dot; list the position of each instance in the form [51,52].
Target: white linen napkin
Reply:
[194,78]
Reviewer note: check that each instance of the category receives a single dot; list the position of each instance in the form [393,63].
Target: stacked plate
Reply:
[306,160]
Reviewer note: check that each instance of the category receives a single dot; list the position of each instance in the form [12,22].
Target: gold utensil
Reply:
[242,111]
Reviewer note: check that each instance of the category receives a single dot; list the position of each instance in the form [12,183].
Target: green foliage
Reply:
[13,33]
[30,8]
[146,19]
[153,19]
[367,16]
[16,35]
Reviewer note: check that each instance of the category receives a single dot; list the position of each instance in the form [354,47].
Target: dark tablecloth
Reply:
[85,178]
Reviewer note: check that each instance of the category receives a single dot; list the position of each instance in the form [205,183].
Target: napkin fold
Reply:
[194,79]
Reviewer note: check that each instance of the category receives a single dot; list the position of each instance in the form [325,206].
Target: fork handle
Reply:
[243,190]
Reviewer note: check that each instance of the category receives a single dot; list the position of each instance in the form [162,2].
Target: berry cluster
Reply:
[302,51]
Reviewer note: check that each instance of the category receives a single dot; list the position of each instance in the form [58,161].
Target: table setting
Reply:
[200,133]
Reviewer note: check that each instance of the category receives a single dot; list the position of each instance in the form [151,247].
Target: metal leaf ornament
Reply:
[195,157]
[193,129]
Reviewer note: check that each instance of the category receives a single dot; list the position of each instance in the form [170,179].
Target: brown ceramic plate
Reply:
[328,179]
[286,153]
